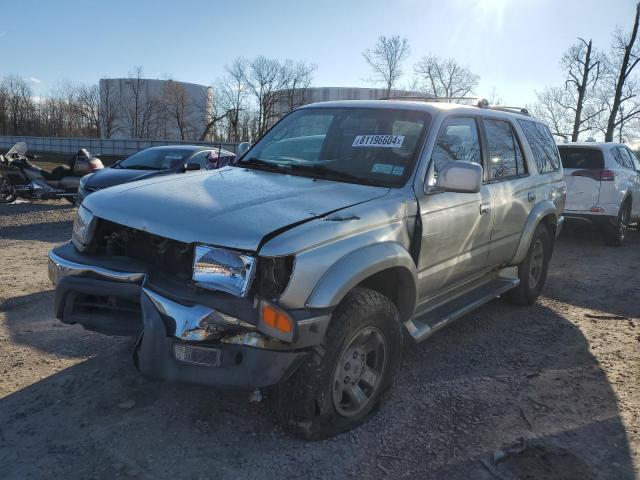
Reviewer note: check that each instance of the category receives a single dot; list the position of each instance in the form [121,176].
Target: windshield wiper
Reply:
[258,162]
[138,167]
[331,173]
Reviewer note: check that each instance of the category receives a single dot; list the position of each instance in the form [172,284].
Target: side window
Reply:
[200,158]
[505,156]
[634,160]
[622,158]
[542,145]
[457,140]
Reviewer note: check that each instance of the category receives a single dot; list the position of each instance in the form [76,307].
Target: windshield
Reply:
[20,148]
[583,158]
[155,159]
[374,146]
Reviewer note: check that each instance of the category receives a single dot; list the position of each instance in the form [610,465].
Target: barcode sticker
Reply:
[389,141]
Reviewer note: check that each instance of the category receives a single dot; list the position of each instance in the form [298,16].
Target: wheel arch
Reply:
[545,213]
[385,267]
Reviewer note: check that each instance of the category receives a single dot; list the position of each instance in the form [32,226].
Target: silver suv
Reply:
[347,228]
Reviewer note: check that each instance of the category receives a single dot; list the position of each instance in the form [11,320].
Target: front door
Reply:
[456,227]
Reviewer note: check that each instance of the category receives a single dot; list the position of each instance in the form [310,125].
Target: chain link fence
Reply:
[97,146]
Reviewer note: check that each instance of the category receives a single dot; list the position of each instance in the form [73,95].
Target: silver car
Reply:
[302,267]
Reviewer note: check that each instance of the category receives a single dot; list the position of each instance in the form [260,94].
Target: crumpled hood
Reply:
[231,207]
[108,177]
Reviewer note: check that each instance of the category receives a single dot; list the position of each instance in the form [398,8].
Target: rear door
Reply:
[582,172]
[510,186]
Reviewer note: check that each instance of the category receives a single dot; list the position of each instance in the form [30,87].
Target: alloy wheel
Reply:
[358,374]
[536,264]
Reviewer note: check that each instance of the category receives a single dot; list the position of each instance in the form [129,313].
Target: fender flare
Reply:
[539,212]
[358,265]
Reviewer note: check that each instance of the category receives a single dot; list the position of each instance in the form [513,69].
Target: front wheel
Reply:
[343,380]
[533,269]
[7,194]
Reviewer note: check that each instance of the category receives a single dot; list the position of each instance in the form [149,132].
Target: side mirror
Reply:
[242,148]
[191,166]
[461,177]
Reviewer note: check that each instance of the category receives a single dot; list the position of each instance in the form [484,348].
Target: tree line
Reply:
[244,103]
[598,97]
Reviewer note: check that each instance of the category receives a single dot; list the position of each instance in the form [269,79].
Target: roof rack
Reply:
[481,102]
[484,103]
[424,98]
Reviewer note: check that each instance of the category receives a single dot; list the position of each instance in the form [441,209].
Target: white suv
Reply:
[603,186]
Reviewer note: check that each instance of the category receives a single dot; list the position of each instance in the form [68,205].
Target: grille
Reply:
[158,253]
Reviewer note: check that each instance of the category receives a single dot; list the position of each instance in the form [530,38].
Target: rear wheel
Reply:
[343,380]
[615,234]
[533,270]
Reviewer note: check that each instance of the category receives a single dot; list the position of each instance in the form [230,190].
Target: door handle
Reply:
[531,197]
[485,208]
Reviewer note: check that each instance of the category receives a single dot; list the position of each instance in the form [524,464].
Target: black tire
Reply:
[306,404]
[533,269]
[7,195]
[614,235]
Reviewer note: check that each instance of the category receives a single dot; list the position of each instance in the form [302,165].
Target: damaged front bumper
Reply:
[183,334]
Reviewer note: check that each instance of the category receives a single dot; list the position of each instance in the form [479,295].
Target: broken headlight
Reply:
[274,274]
[83,227]
[223,270]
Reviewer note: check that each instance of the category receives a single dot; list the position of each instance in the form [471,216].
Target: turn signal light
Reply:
[275,318]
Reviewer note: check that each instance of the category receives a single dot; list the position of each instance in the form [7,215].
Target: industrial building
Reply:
[151,108]
[289,99]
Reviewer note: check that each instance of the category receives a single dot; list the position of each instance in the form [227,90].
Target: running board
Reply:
[426,324]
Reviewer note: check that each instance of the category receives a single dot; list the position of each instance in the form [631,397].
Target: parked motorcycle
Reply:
[21,178]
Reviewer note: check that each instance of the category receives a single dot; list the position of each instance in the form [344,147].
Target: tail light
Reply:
[602,175]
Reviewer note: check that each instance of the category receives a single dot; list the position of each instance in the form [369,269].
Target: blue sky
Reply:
[514,45]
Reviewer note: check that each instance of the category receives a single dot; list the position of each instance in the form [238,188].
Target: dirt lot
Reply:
[563,375]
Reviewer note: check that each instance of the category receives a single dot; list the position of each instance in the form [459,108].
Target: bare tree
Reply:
[297,77]
[89,107]
[625,56]
[582,66]
[110,112]
[385,59]
[445,77]
[19,101]
[140,109]
[550,107]
[231,96]
[494,98]
[179,108]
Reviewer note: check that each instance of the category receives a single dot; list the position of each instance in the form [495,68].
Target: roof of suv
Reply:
[427,106]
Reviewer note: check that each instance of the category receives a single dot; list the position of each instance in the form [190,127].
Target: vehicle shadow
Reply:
[498,375]
[602,277]
[54,232]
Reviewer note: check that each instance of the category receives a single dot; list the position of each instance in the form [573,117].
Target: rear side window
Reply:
[634,159]
[542,145]
[582,158]
[622,158]
[505,156]
[457,140]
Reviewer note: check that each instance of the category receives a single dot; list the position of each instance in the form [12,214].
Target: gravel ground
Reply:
[552,388]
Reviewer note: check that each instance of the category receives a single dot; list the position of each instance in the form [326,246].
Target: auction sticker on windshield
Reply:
[393,141]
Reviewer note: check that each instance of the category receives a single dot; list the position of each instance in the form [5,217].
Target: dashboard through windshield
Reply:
[374,146]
